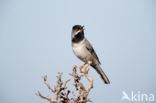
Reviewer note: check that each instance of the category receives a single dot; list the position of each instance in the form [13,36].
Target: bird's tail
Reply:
[102,74]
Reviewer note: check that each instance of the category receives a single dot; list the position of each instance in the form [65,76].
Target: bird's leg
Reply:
[86,68]
[81,67]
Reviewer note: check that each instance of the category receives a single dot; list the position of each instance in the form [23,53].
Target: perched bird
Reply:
[85,52]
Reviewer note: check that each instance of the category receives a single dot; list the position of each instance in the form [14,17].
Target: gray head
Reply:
[77,33]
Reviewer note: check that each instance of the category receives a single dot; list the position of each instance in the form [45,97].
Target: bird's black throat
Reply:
[79,37]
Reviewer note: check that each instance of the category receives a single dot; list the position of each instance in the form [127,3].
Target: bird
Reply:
[85,52]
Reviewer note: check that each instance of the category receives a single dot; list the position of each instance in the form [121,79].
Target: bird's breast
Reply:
[80,51]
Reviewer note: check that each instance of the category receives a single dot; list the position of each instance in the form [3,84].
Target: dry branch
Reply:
[61,92]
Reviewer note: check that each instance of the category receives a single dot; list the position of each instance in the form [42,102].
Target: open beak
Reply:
[83,28]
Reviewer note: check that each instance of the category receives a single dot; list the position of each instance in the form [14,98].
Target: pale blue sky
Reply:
[35,39]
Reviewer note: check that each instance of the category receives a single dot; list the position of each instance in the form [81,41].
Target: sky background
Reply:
[35,40]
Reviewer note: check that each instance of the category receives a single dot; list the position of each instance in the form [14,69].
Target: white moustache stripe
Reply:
[78,32]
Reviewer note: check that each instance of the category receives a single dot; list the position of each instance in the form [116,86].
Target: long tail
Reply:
[102,74]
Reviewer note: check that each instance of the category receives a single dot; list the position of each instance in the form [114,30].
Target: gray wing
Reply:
[91,50]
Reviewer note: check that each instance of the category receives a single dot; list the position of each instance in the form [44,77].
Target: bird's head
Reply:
[77,33]
[77,30]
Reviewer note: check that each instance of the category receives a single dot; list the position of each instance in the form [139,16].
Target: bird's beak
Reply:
[83,28]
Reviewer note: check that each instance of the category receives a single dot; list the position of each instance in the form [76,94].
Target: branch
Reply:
[62,93]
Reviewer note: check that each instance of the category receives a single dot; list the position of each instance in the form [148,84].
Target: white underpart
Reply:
[81,51]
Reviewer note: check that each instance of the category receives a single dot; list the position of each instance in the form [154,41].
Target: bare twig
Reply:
[62,95]
[45,97]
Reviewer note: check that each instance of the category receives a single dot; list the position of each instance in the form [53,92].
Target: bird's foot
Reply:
[87,67]
[85,71]
[81,67]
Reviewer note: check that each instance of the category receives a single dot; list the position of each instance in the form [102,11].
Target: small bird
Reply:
[85,52]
